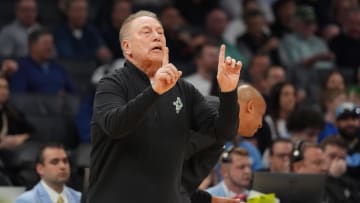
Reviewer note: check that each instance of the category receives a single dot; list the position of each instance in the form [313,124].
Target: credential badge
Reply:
[178,105]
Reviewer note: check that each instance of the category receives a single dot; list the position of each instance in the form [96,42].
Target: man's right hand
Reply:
[9,67]
[166,76]
[337,167]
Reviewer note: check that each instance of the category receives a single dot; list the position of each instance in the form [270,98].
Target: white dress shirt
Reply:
[54,196]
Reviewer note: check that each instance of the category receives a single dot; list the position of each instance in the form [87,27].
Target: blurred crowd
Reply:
[303,56]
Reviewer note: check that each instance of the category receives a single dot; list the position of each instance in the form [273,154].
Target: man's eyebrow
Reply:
[146,27]
[149,27]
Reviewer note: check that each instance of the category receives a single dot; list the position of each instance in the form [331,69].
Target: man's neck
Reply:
[283,114]
[256,35]
[57,187]
[25,25]
[74,26]
[37,59]
[149,68]
[207,75]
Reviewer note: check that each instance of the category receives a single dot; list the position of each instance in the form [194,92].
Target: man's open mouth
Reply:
[157,48]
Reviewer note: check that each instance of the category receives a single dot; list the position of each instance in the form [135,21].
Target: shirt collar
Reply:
[38,65]
[53,194]
[229,193]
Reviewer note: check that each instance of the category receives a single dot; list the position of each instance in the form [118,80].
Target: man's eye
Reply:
[54,162]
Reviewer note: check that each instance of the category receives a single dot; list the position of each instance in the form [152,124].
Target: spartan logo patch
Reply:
[178,105]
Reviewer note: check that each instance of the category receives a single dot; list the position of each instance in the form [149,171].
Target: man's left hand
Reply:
[228,72]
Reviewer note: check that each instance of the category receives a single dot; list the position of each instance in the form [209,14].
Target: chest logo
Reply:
[178,105]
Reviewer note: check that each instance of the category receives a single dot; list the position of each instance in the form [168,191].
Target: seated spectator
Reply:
[178,37]
[305,124]
[38,72]
[339,188]
[280,155]
[273,75]
[347,44]
[284,13]
[53,166]
[302,52]
[216,23]
[15,130]
[327,159]
[236,170]
[206,62]
[236,10]
[348,125]
[119,12]
[329,101]
[254,153]
[334,81]
[282,101]
[255,73]
[308,159]
[332,16]
[13,37]
[14,127]
[255,40]
[78,39]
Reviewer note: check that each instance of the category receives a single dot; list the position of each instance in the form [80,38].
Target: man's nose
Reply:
[157,36]
[248,170]
[62,164]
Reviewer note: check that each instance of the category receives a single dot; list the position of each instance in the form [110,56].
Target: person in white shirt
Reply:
[206,61]
[236,170]
[52,165]
[14,36]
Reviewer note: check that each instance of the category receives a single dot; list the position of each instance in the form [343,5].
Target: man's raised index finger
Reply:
[222,54]
[165,56]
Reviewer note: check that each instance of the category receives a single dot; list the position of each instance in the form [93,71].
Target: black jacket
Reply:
[139,138]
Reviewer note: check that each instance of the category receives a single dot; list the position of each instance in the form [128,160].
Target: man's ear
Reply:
[126,47]
[250,106]
[39,169]
[224,170]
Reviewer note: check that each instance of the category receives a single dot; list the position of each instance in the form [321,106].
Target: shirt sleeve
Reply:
[116,116]
[198,166]
[222,123]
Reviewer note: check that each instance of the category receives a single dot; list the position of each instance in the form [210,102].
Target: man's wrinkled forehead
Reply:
[145,21]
